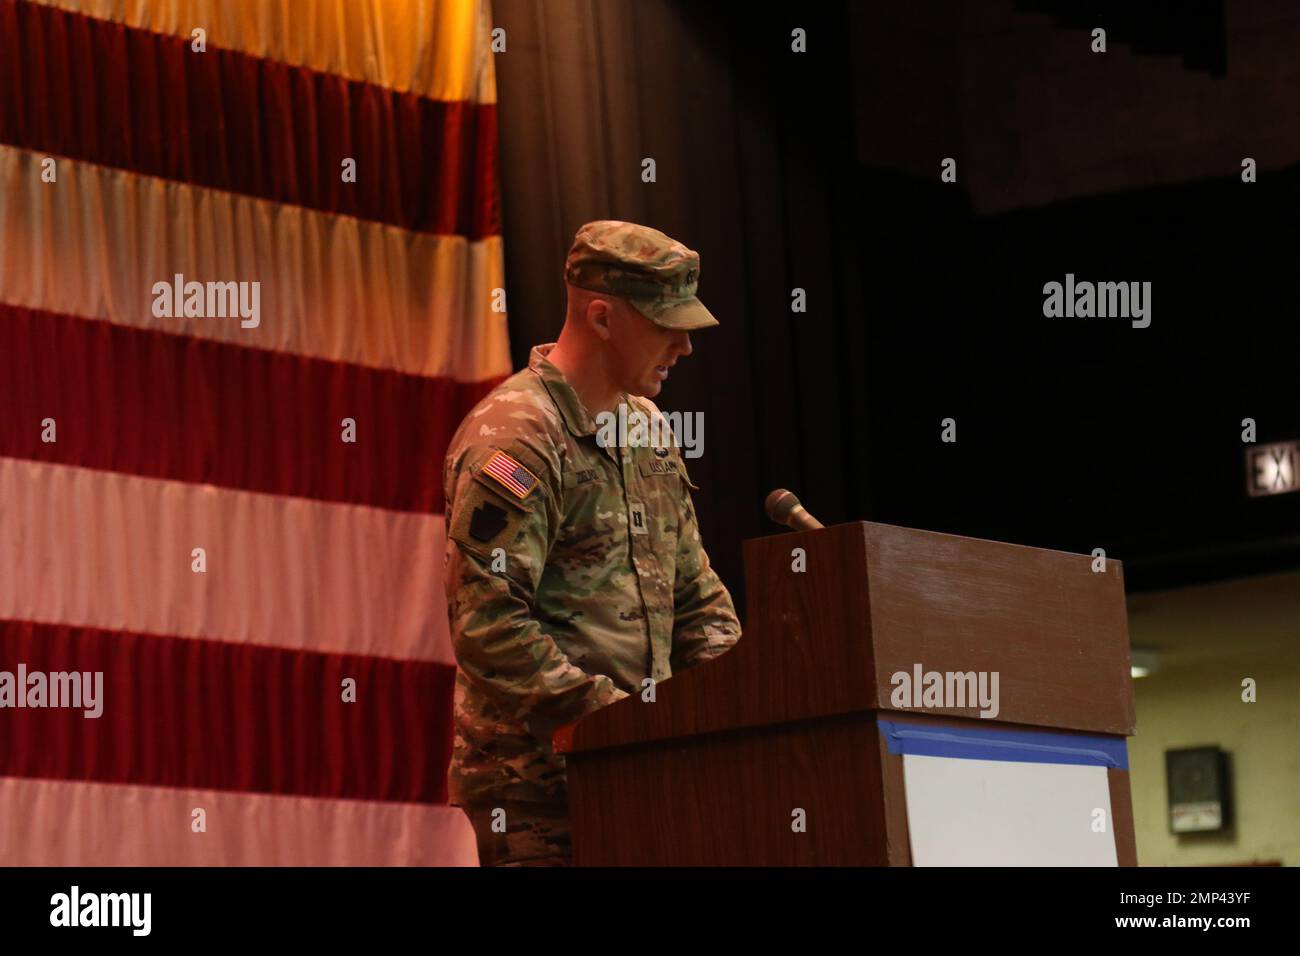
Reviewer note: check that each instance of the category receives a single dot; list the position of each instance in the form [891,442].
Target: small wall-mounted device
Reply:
[1200,794]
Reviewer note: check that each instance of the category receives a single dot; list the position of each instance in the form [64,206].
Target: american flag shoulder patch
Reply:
[511,475]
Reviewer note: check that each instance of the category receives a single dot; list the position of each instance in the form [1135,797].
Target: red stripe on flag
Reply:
[101,92]
[174,407]
[212,715]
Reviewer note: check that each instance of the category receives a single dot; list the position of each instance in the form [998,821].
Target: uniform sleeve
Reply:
[496,549]
[704,620]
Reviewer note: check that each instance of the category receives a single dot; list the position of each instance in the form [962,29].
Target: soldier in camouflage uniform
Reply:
[575,570]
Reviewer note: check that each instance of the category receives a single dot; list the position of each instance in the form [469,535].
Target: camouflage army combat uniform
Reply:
[574,571]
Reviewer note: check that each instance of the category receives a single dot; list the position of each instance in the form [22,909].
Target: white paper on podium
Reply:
[963,812]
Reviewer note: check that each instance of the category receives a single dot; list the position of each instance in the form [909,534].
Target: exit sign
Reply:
[1273,469]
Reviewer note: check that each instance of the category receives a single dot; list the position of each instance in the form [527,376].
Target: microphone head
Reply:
[780,505]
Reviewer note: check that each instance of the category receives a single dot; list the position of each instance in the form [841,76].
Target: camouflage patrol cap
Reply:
[655,273]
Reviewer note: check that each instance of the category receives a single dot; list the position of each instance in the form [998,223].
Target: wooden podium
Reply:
[794,716]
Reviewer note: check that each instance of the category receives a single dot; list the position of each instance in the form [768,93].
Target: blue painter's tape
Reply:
[1025,746]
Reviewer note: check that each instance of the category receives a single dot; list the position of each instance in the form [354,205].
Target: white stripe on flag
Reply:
[331,286]
[73,823]
[101,549]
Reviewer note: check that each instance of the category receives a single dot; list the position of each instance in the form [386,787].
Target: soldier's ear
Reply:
[599,314]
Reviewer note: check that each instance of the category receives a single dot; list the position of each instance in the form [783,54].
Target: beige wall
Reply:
[1209,639]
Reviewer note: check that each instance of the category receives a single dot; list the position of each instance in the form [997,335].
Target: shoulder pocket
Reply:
[484,519]
[494,500]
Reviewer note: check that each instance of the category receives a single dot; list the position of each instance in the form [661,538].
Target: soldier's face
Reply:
[642,353]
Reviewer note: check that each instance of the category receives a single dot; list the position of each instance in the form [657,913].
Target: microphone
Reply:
[784,508]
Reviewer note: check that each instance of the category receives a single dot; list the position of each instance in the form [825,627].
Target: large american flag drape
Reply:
[321,557]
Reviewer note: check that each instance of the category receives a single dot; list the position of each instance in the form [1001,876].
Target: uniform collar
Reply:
[576,416]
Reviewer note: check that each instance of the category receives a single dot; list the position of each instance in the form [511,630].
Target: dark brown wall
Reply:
[1033,116]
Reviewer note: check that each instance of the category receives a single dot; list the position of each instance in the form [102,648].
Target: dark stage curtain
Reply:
[740,128]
